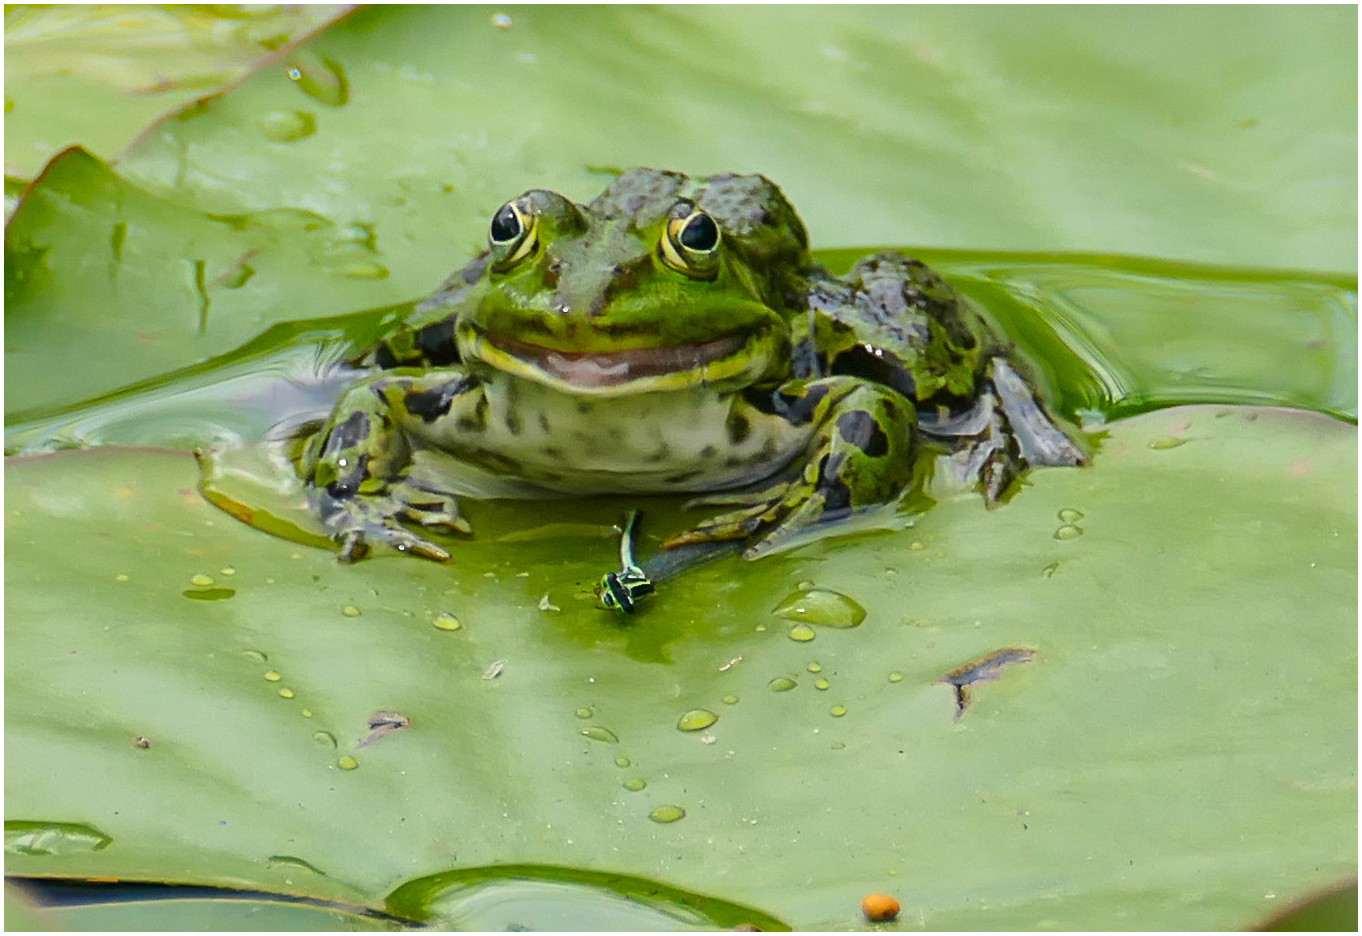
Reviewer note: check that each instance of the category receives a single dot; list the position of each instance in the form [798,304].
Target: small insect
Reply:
[382,724]
[493,671]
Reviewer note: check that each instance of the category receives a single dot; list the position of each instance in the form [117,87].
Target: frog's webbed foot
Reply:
[357,522]
[1003,434]
[363,476]
[860,455]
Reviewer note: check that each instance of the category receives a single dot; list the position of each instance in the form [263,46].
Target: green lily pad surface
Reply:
[1126,699]
[1189,714]
[95,76]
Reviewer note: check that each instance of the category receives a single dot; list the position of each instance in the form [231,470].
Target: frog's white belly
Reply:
[689,440]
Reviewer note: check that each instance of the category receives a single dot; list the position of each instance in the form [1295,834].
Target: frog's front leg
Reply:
[860,455]
[358,467]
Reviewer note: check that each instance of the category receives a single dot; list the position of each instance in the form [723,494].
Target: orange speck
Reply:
[1301,468]
[879,907]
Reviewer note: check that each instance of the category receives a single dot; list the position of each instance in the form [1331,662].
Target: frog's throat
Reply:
[630,370]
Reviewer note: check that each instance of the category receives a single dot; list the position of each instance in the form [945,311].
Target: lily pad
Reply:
[95,76]
[1179,751]
[1175,716]
[1115,130]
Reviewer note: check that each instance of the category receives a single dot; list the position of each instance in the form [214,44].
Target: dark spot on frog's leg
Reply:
[544,423]
[663,453]
[681,478]
[836,498]
[478,421]
[860,429]
[739,427]
[348,486]
[513,422]
[798,408]
[434,403]
[583,407]
[552,451]
[708,451]
[350,433]
[835,492]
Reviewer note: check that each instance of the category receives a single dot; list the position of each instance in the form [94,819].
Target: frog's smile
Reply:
[623,370]
[593,369]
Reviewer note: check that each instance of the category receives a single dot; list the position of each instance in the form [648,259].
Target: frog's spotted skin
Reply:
[673,335]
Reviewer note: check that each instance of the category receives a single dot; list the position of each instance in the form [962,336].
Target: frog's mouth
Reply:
[599,370]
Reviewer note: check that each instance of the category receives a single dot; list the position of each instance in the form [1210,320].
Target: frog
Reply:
[674,335]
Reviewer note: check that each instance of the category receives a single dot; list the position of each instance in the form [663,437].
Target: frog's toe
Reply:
[355,543]
[1039,440]
[736,525]
[807,514]
[431,508]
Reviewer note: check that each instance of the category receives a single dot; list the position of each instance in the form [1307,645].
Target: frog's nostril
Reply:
[622,278]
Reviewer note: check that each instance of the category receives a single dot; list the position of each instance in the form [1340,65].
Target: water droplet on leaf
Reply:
[667,814]
[781,684]
[1068,532]
[597,733]
[696,720]
[447,622]
[287,126]
[821,606]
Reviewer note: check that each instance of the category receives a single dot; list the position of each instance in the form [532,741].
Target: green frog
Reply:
[673,336]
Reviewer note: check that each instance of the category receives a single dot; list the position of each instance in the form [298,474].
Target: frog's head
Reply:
[662,283]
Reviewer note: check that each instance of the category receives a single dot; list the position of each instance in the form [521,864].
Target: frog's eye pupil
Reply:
[506,225]
[700,233]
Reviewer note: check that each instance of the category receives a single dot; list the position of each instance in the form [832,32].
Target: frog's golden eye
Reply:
[691,243]
[512,234]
